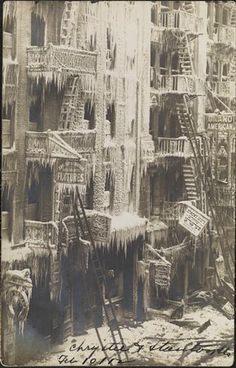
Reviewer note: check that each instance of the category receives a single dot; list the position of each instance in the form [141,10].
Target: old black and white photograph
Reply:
[118,183]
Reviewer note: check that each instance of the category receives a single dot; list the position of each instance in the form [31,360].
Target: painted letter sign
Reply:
[194,220]
[71,172]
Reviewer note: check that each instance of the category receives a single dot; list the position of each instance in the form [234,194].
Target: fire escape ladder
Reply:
[185,56]
[69,109]
[207,183]
[81,220]
[190,182]
[68,25]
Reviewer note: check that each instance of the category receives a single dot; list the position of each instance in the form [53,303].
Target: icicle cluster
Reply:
[126,228]
[9,11]
[129,162]
[10,80]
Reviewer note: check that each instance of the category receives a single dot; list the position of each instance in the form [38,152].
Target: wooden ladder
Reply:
[81,219]
[69,111]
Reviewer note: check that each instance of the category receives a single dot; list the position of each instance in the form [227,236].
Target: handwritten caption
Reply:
[120,350]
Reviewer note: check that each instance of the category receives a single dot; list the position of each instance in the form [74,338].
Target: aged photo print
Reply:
[118,183]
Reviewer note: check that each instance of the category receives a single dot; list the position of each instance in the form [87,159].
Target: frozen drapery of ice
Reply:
[156,231]
[10,80]
[129,161]
[9,10]
[126,228]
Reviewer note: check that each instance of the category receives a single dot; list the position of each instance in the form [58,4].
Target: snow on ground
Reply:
[144,343]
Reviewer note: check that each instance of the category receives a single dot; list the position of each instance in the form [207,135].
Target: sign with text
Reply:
[194,220]
[71,172]
[220,121]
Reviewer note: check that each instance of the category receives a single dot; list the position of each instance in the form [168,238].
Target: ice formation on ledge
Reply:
[125,228]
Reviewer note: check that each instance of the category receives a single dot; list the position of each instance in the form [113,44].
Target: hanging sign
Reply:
[71,172]
[162,273]
[219,121]
[194,220]
[147,148]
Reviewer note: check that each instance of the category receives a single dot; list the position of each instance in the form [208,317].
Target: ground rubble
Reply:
[155,342]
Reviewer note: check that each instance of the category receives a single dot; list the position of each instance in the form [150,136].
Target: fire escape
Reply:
[183,26]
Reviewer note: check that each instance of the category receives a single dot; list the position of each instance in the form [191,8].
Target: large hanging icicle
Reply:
[42,8]
[9,11]
[10,80]
[129,162]
[110,154]
[126,228]
[39,263]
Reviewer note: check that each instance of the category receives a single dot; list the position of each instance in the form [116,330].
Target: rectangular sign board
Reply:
[194,220]
[71,172]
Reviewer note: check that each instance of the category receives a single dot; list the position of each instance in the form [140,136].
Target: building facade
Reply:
[133,104]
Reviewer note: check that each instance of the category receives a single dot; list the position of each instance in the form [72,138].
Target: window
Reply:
[35,109]
[225,71]
[7,126]
[225,16]
[216,70]
[163,64]
[33,201]
[111,51]
[89,115]
[109,193]
[7,200]
[175,63]
[153,56]
[111,116]
[217,13]
[8,25]
[37,30]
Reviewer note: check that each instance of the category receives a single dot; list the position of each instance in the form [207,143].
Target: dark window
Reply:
[111,116]
[89,114]
[217,13]
[153,56]
[225,17]
[6,212]
[8,25]
[37,30]
[163,63]
[7,126]
[33,193]
[175,64]
[35,111]
[225,70]
[111,51]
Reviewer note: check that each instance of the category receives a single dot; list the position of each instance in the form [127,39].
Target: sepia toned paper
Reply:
[118,183]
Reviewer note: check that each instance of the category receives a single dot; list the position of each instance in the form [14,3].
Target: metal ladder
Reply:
[67,25]
[185,57]
[100,280]
[69,110]
[208,185]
